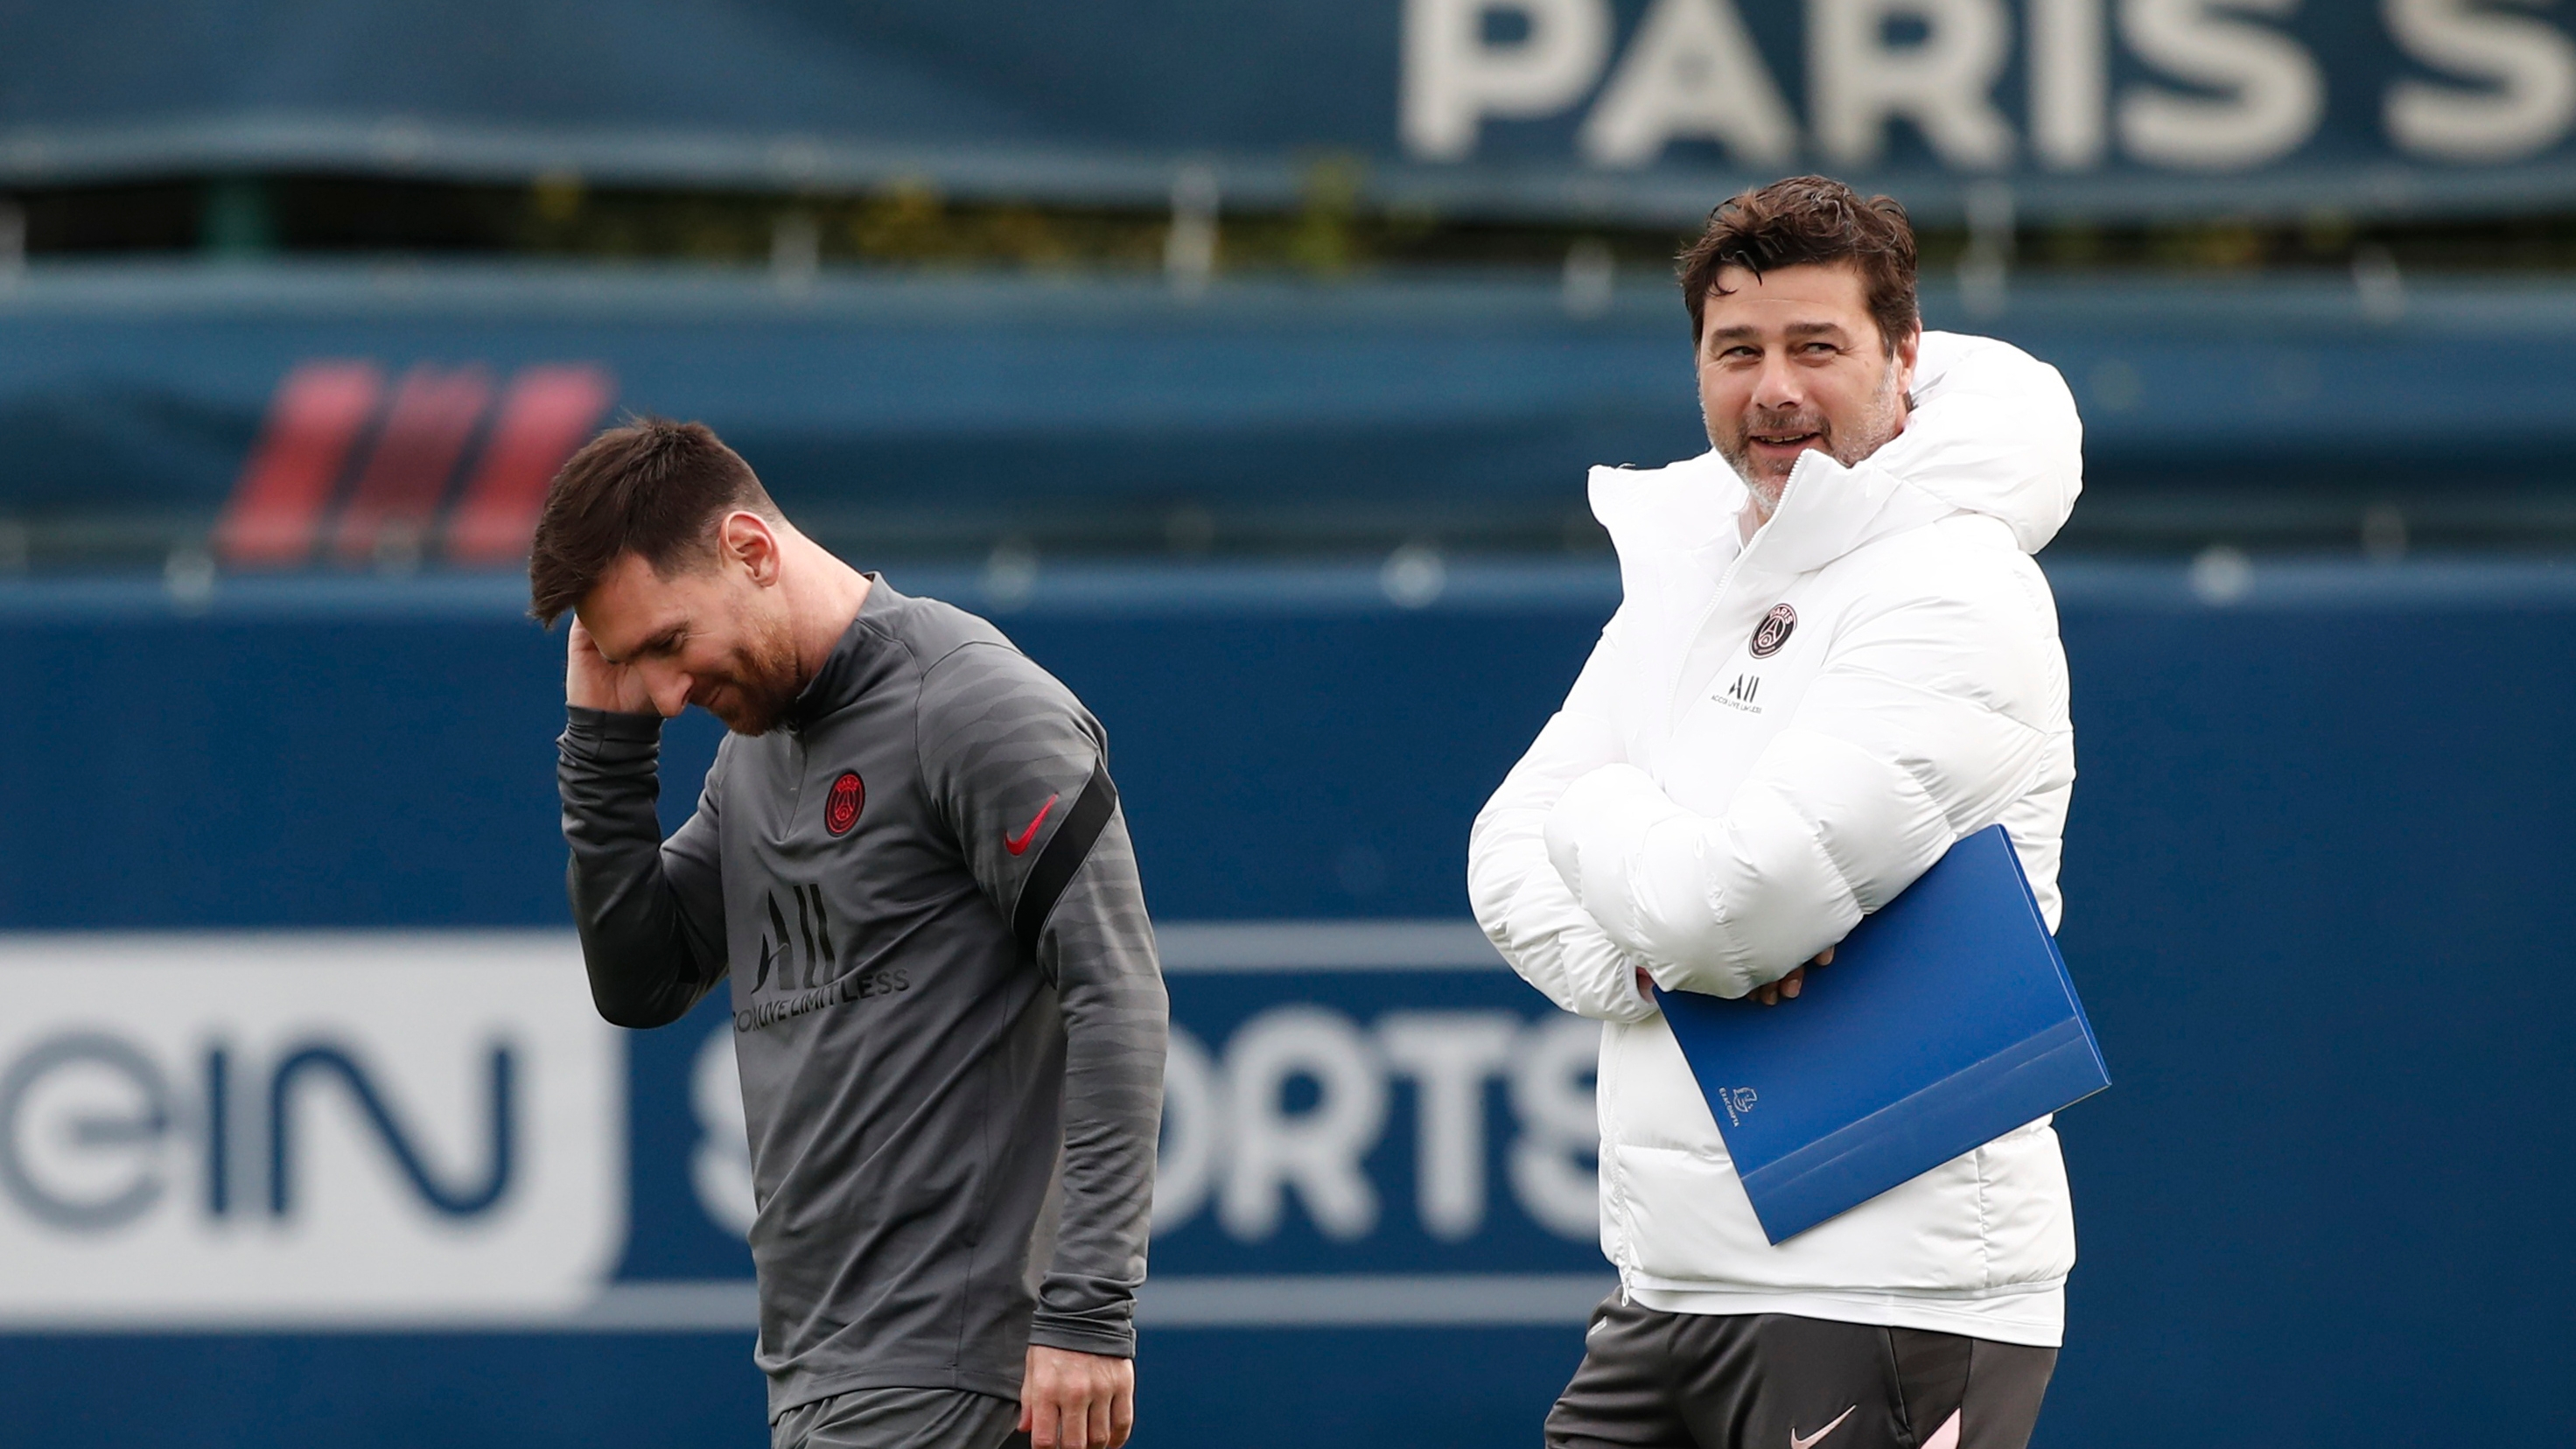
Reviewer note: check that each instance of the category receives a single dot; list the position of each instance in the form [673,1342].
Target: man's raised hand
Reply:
[591,682]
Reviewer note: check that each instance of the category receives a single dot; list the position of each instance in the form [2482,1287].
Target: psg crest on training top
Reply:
[841,807]
[1773,631]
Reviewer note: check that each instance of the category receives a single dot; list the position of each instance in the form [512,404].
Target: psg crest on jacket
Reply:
[841,807]
[1773,631]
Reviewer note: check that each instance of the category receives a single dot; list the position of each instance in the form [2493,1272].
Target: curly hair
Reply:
[1808,220]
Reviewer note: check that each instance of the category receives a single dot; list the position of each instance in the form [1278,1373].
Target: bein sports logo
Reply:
[108,1138]
[1294,1110]
[312,1129]
[348,468]
[1297,1104]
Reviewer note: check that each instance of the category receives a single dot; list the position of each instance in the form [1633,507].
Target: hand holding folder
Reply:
[1946,1020]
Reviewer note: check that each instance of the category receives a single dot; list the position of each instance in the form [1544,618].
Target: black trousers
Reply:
[1770,1381]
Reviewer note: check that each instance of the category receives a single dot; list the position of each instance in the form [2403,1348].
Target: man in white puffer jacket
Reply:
[1835,658]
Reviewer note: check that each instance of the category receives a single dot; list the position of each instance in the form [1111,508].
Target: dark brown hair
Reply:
[1806,220]
[651,487]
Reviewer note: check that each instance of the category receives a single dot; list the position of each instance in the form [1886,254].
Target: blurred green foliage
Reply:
[1333,229]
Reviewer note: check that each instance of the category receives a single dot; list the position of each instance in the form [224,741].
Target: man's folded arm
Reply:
[650,911]
[1011,759]
[1526,910]
[1915,734]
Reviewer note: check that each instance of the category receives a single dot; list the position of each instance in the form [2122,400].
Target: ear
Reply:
[1909,348]
[747,541]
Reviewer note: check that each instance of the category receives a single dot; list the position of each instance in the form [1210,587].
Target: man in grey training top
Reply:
[909,869]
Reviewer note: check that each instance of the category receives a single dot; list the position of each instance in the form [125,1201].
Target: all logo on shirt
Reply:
[1773,631]
[841,808]
[828,979]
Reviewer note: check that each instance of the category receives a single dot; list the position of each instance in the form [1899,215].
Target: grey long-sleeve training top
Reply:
[947,1010]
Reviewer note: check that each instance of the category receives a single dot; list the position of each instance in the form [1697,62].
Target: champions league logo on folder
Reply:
[1946,1020]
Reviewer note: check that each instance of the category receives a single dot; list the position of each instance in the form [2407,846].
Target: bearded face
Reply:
[1763,444]
[752,690]
[1792,360]
[703,634]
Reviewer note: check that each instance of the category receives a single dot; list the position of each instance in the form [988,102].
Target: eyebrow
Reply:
[1794,329]
[658,642]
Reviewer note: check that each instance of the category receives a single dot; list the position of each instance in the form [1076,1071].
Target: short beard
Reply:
[1878,426]
[765,683]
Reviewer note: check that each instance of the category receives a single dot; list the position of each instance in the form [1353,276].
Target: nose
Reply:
[669,689]
[1778,388]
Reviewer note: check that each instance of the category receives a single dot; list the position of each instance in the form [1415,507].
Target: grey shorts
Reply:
[1770,1381]
[900,1419]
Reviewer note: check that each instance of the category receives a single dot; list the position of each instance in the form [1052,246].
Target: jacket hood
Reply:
[1994,431]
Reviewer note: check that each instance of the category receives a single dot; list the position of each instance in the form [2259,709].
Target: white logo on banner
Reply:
[312,1128]
[422,1128]
[1230,1133]
[2220,85]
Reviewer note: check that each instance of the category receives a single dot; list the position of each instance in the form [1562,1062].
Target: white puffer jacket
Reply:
[1771,740]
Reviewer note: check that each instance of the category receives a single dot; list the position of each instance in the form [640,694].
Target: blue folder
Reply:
[1945,1021]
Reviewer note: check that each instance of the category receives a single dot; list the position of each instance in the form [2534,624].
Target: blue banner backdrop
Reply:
[959,411]
[2315,880]
[1569,108]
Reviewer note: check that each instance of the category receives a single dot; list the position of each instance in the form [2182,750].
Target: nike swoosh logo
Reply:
[1797,1443]
[1019,844]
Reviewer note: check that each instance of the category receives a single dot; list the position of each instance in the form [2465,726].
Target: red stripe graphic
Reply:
[549,412]
[276,508]
[432,419]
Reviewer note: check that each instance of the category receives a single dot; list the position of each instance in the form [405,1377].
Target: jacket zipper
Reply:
[1690,641]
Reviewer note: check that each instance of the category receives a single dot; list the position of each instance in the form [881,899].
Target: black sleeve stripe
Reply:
[1065,852]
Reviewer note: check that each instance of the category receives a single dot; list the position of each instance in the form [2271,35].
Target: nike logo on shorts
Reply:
[1798,1443]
